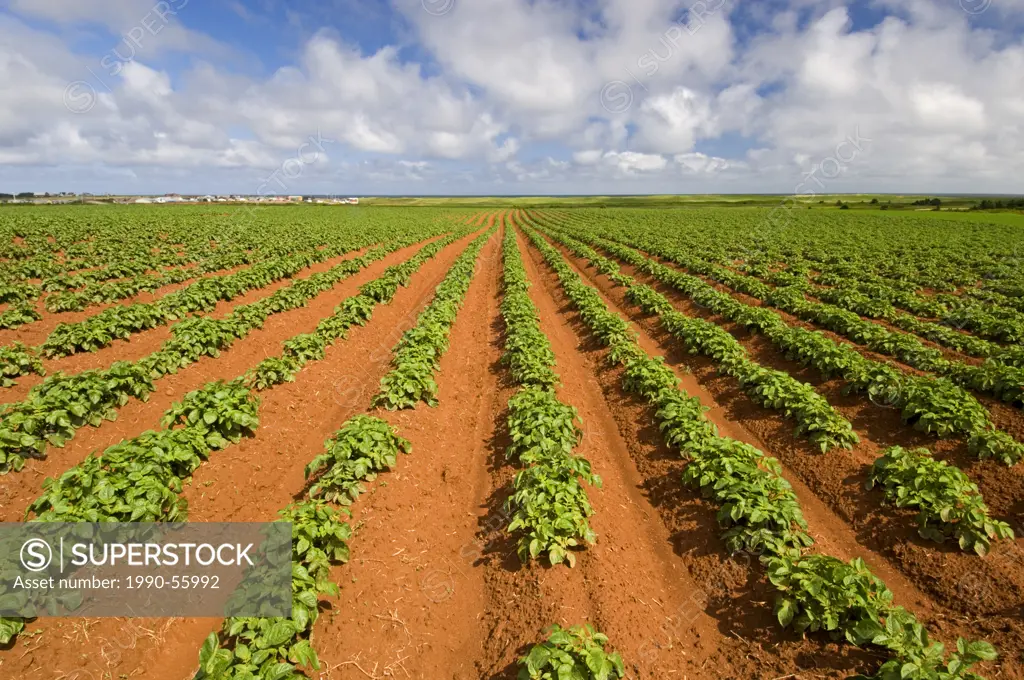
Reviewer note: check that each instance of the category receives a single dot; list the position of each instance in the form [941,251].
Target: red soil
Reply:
[35,333]
[19,489]
[951,588]
[435,589]
[254,479]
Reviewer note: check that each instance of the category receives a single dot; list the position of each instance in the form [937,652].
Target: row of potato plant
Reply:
[417,356]
[777,390]
[931,404]
[56,408]
[251,648]
[575,653]
[549,505]
[949,504]
[760,513]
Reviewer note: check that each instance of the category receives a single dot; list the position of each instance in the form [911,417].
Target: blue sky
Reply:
[511,96]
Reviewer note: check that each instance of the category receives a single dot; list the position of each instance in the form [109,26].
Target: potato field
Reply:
[558,443]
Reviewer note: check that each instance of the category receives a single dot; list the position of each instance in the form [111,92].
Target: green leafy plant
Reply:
[18,360]
[249,648]
[19,315]
[363,448]
[818,592]
[949,504]
[418,353]
[223,412]
[916,658]
[576,653]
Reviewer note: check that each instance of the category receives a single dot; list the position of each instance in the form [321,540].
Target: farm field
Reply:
[700,442]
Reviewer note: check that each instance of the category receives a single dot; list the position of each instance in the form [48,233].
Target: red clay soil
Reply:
[144,343]
[18,490]
[405,607]
[437,589]
[971,596]
[731,592]
[35,333]
[254,479]
[1002,487]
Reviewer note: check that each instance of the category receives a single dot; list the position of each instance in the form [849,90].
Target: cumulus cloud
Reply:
[631,162]
[737,98]
[699,163]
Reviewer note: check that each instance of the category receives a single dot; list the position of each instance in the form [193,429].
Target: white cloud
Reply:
[699,163]
[588,157]
[631,162]
[939,93]
[673,122]
[944,106]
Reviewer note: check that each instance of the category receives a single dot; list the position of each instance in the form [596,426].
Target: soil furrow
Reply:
[410,600]
[251,481]
[920,585]
[965,583]
[18,490]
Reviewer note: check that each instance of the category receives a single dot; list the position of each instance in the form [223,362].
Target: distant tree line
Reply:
[1009,203]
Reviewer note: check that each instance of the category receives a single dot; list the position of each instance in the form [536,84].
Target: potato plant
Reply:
[576,653]
[949,504]
[549,506]
[417,355]
[757,508]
